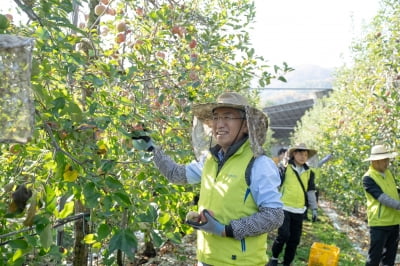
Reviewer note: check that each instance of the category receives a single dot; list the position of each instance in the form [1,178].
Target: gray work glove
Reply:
[211,225]
[144,143]
[314,215]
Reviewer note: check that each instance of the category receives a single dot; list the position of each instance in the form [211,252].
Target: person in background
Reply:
[280,158]
[236,213]
[298,192]
[383,208]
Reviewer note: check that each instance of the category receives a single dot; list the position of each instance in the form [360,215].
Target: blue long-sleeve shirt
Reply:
[265,180]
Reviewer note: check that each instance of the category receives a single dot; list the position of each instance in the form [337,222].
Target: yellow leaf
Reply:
[97,245]
[17,254]
[89,239]
[103,147]
[68,209]
[70,175]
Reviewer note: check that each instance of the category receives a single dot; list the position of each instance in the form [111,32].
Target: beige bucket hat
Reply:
[303,147]
[379,152]
[257,120]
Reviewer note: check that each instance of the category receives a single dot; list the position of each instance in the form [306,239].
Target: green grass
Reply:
[322,231]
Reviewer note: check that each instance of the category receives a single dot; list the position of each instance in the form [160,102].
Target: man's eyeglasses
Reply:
[226,118]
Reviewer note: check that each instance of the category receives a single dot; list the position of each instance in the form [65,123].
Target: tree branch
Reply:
[29,11]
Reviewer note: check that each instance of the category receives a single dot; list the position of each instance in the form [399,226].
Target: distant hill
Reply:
[304,76]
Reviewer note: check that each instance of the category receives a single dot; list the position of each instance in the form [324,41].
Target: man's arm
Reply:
[175,173]
[263,221]
[265,181]
[372,188]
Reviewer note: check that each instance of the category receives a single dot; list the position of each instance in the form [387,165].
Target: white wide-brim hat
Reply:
[257,120]
[379,152]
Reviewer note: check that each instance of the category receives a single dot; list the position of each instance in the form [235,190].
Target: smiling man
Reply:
[239,200]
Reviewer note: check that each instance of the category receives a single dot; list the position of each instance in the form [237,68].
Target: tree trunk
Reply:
[81,228]
[124,222]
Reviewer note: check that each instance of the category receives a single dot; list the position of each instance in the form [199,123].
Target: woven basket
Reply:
[16,97]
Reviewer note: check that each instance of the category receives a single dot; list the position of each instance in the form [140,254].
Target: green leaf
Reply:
[4,23]
[58,104]
[281,78]
[107,165]
[46,238]
[93,107]
[103,231]
[18,243]
[157,240]
[91,195]
[41,222]
[113,183]
[42,34]
[150,216]
[50,199]
[125,241]
[122,198]
[73,108]
[174,237]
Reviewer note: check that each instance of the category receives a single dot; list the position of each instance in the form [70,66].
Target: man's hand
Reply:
[314,215]
[210,225]
[146,142]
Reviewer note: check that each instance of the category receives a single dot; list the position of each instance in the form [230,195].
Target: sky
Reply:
[317,32]
[302,32]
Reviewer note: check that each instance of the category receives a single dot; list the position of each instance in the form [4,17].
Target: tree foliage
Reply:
[103,72]
[362,111]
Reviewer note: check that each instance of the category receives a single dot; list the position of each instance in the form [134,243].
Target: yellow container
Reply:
[323,255]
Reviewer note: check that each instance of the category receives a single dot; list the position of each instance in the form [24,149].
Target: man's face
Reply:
[228,126]
[381,165]
[300,157]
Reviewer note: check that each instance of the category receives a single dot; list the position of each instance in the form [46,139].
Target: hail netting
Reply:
[16,98]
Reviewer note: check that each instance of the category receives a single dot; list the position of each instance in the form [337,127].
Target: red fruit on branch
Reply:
[180,31]
[161,54]
[120,37]
[99,9]
[111,11]
[193,44]
[175,29]
[140,11]
[121,26]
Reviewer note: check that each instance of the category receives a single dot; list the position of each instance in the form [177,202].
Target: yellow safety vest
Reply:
[224,193]
[379,214]
[292,192]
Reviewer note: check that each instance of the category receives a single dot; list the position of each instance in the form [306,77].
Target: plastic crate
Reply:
[323,255]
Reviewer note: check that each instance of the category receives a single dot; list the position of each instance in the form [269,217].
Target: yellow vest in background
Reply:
[292,193]
[379,214]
